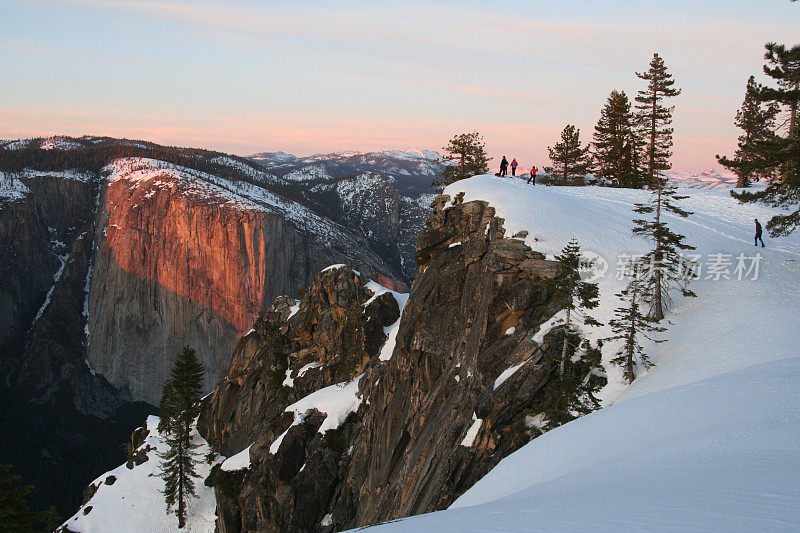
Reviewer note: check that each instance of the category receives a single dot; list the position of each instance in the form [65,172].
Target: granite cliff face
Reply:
[457,387]
[186,260]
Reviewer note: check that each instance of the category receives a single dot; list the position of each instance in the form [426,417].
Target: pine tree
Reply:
[179,405]
[616,144]
[570,160]
[469,151]
[667,269]
[15,515]
[656,119]
[757,122]
[630,324]
[572,394]
[781,153]
[575,295]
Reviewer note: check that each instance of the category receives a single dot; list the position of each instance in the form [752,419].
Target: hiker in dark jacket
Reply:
[758,233]
[504,166]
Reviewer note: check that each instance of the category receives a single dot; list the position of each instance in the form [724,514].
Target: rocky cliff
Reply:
[456,387]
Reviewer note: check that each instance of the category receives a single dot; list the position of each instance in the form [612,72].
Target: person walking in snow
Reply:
[504,166]
[514,165]
[758,233]
[532,178]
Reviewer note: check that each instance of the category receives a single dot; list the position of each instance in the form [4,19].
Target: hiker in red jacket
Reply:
[532,179]
[514,167]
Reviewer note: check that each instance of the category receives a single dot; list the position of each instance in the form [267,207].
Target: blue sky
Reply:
[308,77]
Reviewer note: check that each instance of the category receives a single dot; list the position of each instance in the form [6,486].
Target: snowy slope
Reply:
[706,440]
[133,502]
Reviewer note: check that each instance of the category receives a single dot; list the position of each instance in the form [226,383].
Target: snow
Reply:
[12,188]
[472,432]
[57,276]
[545,328]
[17,145]
[240,461]
[454,244]
[391,331]
[134,503]
[306,368]
[706,440]
[507,373]
[335,401]
[289,381]
[59,143]
[511,330]
[18,190]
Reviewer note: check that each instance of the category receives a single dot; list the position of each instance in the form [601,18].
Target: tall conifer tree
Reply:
[630,324]
[781,153]
[179,405]
[616,144]
[656,119]
[570,160]
[572,393]
[757,122]
[575,295]
[667,269]
[468,151]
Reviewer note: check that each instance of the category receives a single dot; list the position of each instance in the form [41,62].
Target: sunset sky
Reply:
[308,77]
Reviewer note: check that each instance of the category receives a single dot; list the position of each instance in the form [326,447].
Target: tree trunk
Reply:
[563,364]
[743,182]
[631,339]
[657,312]
[652,169]
[785,171]
[181,504]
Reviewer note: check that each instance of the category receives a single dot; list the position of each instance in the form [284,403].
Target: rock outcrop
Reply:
[459,392]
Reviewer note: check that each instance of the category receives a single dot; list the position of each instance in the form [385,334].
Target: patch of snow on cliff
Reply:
[336,401]
[240,461]
[391,331]
[472,432]
[135,503]
[57,276]
[507,373]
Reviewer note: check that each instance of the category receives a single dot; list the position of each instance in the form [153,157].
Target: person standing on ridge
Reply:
[758,233]
[514,165]
[504,166]
[532,178]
